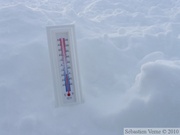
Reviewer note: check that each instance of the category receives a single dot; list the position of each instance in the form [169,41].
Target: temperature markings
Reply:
[65,65]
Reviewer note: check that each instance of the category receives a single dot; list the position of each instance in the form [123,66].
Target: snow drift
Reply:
[129,63]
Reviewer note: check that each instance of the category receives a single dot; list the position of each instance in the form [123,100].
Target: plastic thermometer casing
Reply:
[64,64]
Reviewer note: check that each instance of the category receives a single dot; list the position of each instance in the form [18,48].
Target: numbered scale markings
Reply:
[64,63]
[65,66]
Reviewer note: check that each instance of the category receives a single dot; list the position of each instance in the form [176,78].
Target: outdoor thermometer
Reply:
[64,64]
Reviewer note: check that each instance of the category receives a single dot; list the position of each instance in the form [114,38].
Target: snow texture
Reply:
[129,62]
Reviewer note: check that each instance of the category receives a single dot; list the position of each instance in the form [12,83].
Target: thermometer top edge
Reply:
[65,26]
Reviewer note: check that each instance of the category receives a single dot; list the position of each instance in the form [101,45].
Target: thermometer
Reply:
[64,64]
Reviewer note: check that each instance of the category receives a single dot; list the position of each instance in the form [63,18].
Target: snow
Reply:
[129,62]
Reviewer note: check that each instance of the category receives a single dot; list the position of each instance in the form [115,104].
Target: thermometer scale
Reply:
[64,64]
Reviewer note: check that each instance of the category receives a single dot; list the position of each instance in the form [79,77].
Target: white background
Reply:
[129,62]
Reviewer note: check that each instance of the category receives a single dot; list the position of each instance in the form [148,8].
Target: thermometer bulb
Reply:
[69,94]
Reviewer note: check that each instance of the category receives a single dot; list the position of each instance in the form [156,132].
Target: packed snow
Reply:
[129,62]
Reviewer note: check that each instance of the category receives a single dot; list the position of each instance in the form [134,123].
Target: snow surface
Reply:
[129,61]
